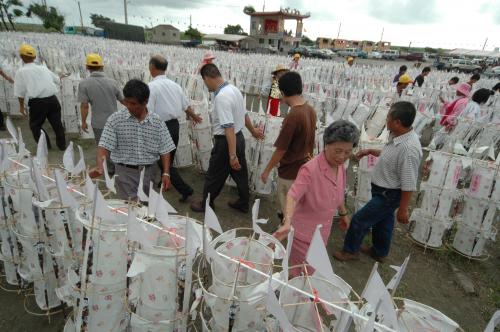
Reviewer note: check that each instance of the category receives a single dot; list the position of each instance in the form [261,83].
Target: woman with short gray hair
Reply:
[318,192]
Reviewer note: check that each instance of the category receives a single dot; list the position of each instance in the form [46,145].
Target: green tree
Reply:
[193,33]
[99,21]
[10,9]
[249,10]
[306,41]
[234,30]
[50,17]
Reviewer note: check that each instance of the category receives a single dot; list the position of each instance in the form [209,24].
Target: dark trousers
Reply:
[175,178]
[50,109]
[2,122]
[377,214]
[219,169]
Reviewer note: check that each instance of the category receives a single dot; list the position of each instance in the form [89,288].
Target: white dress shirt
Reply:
[166,99]
[229,110]
[35,81]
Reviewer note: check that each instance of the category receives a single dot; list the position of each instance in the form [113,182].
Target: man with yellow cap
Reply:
[294,64]
[37,86]
[404,81]
[348,68]
[100,92]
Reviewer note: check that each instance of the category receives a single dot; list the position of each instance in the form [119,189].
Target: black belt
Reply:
[42,99]
[224,136]
[173,120]
[134,166]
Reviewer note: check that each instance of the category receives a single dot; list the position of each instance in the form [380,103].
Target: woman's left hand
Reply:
[344,221]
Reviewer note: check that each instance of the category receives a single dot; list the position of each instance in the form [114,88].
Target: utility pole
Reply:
[338,33]
[190,21]
[81,17]
[486,41]
[264,6]
[125,8]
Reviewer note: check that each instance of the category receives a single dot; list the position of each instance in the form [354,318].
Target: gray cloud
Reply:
[404,11]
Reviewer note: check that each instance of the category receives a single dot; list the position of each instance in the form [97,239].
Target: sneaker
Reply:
[345,256]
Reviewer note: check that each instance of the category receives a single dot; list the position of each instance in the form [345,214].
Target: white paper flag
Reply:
[214,258]
[101,209]
[89,188]
[396,279]
[317,256]
[68,162]
[66,197]
[163,208]
[140,189]
[40,186]
[375,292]
[21,151]
[211,219]
[494,322]
[80,166]
[193,241]
[288,250]
[153,197]
[274,308]
[42,151]
[110,182]
[255,218]
[141,232]
[11,129]
[370,325]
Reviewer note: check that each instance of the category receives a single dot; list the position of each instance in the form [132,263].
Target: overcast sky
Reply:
[435,23]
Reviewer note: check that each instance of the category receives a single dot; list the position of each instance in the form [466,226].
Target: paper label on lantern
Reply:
[456,175]
[475,183]
[372,160]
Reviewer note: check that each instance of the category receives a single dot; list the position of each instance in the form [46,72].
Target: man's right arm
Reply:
[84,109]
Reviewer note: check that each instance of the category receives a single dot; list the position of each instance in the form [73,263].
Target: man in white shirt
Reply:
[38,86]
[169,102]
[228,154]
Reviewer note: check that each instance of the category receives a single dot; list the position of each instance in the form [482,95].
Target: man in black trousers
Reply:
[228,154]
[38,85]
[169,102]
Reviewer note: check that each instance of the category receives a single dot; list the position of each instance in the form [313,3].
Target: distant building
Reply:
[268,28]
[235,42]
[121,31]
[165,34]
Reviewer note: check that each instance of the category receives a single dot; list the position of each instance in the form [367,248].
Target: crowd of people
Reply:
[144,136]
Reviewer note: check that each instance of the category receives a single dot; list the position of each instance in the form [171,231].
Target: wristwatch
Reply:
[232,157]
[343,214]
[165,174]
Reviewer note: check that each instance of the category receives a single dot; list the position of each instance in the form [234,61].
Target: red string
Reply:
[316,296]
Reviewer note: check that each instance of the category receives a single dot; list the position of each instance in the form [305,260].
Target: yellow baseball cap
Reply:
[27,50]
[94,60]
[296,56]
[405,79]
[349,59]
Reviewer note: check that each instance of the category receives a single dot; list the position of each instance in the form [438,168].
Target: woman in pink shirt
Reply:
[318,192]
[451,110]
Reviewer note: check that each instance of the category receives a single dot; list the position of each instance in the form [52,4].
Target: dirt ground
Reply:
[429,278]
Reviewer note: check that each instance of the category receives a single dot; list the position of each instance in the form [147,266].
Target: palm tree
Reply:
[16,12]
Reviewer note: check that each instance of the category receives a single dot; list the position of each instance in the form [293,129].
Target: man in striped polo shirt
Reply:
[394,179]
[135,139]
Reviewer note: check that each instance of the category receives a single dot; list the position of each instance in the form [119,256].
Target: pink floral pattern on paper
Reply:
[475,183]
[152,297]
[108,297]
